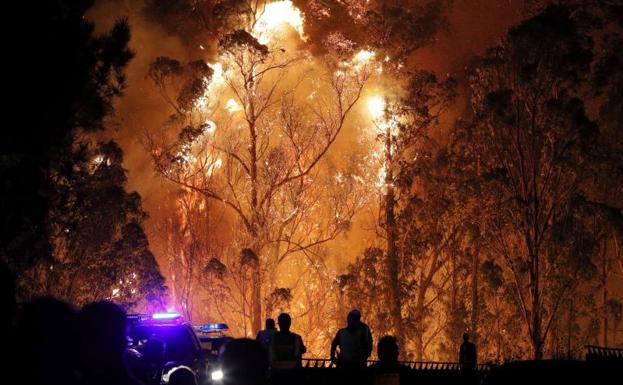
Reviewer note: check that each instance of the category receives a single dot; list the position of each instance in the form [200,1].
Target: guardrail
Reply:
[600,353]
[415,365]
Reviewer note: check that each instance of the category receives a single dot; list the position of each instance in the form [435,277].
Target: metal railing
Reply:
[597,353]
[415,365]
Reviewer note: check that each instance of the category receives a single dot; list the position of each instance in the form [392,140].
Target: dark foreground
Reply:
[520,372]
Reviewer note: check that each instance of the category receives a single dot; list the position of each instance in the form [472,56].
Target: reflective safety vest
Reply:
[287,350]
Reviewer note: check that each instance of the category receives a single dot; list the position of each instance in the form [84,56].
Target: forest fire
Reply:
[376,106]
[273,16]
[314,157]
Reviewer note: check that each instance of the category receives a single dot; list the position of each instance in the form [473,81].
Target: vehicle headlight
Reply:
[217,375]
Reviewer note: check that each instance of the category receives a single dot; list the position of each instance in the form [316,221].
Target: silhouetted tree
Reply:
[71,228]
[100,250]
[536,147]
[58,60]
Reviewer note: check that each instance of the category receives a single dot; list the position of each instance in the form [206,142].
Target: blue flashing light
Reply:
[166,316]
[218,327]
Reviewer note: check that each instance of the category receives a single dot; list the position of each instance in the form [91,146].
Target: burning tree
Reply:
[416,222]
[256,125]
[191,239]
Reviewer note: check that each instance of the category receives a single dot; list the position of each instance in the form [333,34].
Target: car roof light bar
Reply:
[217,327]
[166,316]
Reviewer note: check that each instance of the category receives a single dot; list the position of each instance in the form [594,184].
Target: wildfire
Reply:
[376,106]
[366,59]
[218,74]
[232,106]
[274,17]
[214,84]
[215,165]
[364,56]
[211,127]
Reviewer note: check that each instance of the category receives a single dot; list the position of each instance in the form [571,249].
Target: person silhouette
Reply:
[388,371]
[287,348]
[265,336]
[182,375]
[467,354]
[244,361]
[102,342]
[45,340]
[354,342]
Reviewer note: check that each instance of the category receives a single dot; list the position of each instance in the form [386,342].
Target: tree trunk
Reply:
[419,325]
[474,315]
[604,284]
[553,338]
[419,345]
[570,328]
[256,300]
[256,282]
[393,262]
[453,294]
[537,340]
[498,329]
[537,335]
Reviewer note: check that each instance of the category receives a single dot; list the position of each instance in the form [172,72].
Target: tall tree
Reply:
[100,250]
[404,132]
[257,153]
[536,145]
[82,75]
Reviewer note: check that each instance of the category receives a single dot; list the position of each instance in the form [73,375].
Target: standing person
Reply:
[354,341]
[45,335]
[467,354]
[102,343]
[265,336]
[388,371]
[287,348]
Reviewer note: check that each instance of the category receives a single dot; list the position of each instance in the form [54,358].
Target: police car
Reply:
[181,345]
[212,338]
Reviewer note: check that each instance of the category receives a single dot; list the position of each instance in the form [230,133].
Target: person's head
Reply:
[353,318]
[182,375]
[465,337]
[244,362]
[284,321]
[270,323]
[387,349]
[46,340]
[102,328]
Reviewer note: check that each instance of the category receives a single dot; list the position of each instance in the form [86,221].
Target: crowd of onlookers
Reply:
[52,343]
[351,347]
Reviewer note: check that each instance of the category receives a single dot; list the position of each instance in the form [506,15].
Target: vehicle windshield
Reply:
[180,343]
